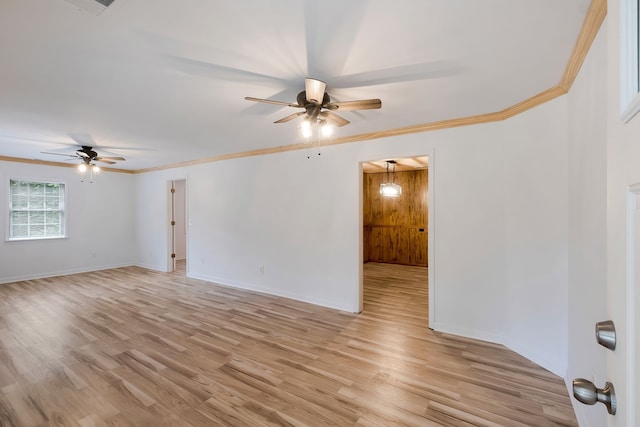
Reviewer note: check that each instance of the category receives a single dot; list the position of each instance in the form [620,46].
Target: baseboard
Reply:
[537,358]
[14,279]
[161,269]
[491,337]
[270,291]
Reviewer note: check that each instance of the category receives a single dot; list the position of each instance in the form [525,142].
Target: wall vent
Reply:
[95,7]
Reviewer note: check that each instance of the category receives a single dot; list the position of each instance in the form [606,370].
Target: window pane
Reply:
[52,189]
[19,201]
[36,217]
[19,218]
[36,202]
[53,229]
[20,188]
[52,203]
[52,217]
[19,231]
[36,231]
[36,189]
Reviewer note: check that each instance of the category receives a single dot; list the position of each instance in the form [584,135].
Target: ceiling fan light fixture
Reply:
[82,168]
[305,128]
[326,129]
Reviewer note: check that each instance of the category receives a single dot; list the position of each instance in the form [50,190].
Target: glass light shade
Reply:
[326,129]
[314,90]
[305,128]
[82,168]
[390,189]
[95,168]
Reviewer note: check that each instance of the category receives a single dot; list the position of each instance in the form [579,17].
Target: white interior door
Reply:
[633,305]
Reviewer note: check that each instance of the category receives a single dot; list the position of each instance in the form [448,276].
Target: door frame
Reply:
[431,278]
[170,229]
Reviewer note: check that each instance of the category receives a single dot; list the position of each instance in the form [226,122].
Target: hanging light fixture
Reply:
[390,188]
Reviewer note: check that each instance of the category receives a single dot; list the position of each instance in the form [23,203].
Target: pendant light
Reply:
[390,188]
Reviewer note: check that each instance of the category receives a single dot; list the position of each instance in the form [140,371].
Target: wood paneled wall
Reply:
[395,228]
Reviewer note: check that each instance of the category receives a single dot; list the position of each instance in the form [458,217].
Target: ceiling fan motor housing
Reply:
[312,108]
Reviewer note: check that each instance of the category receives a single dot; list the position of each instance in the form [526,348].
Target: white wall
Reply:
[536,234]
[152,218]
[100,226]
[291,225]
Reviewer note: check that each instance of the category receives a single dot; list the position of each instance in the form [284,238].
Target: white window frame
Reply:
[629,66]
[8,206]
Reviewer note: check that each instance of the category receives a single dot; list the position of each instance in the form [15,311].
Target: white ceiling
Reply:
[164,81]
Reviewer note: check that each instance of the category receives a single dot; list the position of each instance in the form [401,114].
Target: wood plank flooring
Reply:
[130,346]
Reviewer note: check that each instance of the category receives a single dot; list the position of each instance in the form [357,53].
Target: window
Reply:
[36,210]
[629,58]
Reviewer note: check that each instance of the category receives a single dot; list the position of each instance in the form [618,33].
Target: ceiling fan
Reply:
[88,155]
[317,105]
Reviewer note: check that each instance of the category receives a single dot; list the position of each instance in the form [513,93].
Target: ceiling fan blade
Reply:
[102,160]
[290,117]
[119,159]
[269,101]
[83,139]
[60,154]
[363,104]
[400,74]
[333,118]
[315,90]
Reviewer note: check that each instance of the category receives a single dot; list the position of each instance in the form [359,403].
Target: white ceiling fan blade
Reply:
[363,104]
[270,101]
[103,160]
[119,158]
[83,139]
[333,118]
[315,90]
[60,154]
[290,117]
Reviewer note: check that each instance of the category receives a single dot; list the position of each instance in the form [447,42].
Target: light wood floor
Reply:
[134,347]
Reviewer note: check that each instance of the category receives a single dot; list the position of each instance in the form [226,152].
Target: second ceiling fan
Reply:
[317,105]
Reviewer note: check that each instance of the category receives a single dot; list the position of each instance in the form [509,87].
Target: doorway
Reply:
[178,226]
[397,230]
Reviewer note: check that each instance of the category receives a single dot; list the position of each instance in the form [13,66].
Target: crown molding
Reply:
[58,164]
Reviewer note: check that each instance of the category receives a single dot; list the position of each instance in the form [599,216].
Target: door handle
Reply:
[606,334]
[586,392]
